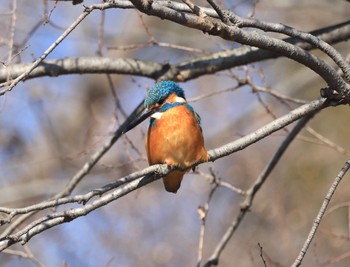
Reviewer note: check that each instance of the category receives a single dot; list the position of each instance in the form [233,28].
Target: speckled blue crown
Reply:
[160,91]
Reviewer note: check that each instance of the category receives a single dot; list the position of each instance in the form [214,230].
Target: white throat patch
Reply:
[180,100]
[157,115]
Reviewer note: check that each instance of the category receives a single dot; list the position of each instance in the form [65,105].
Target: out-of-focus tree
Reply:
[270,80]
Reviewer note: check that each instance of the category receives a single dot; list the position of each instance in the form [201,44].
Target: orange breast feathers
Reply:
[175,138]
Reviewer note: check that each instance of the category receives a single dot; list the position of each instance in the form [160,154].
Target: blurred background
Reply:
[49,127]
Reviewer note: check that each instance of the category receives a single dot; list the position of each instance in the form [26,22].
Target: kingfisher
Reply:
[174,134]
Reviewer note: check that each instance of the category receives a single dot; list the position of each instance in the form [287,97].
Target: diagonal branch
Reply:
[83,171]
[267,129]
[320,214]
[304,36]
[134,181]
[245,206]
[233,33]
[36,63]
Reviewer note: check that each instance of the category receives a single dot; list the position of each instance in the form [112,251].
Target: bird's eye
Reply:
[155,106]
[160,102]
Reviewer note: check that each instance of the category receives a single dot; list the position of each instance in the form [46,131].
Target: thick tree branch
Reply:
[85,65]
[181,71]
[178,13]
[307,37]
[232,33]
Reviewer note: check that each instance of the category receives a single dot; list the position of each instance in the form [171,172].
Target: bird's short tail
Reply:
[172,180]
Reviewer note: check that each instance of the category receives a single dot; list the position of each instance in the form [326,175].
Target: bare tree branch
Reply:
[85,65]
[256,44]
[47,52]
[203,213]
[307,37]
[81,173]
[217,28]
[320,213]
[136,180]
[245,206]
[181,71]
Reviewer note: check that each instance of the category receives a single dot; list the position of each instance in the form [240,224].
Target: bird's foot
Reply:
[171,165]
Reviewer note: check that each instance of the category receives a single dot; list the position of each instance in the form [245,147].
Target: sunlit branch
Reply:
[135,180]
[232,33]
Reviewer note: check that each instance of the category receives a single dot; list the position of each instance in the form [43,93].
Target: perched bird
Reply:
[174,134]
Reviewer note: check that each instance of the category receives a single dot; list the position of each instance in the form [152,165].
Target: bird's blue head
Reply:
[160,91]
[155,99]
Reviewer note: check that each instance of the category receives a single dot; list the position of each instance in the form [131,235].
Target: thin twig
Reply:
[203,213]
[213,179]
[100,43]
[261,254]
[320,214]
[196,9]
[24,75]
[12,31]
[25,255]
[328,142]
[223,16]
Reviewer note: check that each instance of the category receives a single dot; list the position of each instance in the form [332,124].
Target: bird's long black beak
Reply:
[144,115]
